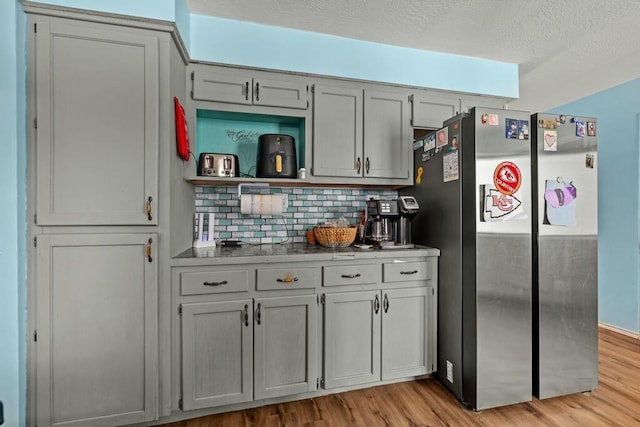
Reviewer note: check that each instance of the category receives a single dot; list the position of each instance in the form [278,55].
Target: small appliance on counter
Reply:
[218,165]
[276,156]
[408,208]
[381,215]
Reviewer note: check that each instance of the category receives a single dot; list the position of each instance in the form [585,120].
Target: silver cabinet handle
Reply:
[246,91]
[376,305]
[350,276]
[258,313]
[224,282]
[409,272]
[386,303]
[245,315]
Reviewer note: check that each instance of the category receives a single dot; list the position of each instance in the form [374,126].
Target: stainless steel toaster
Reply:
[219,165]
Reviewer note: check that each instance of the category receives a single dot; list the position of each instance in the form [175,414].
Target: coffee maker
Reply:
[408,208]
[381,216]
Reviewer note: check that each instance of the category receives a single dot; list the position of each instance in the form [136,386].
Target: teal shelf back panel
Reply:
[238,133]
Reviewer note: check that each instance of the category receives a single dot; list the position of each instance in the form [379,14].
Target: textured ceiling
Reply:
[565,49]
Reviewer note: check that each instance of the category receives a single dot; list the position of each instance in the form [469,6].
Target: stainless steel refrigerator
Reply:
[565,297]
[473,185]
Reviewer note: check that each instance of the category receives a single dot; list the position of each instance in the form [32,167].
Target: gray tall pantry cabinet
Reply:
[97,90]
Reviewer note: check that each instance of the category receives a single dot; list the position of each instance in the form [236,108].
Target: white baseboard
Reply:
[619,330]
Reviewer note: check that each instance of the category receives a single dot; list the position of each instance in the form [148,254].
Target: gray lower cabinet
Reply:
[360,133]
[378,335]
[285,340]
[97,318]
[242,88]
[97,123]
[407,332]
[235,351]
[351,338]
[217,353]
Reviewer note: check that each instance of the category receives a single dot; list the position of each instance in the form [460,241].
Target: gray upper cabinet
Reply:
[285,340]
[360,133]
[97,341]
[386,149]
[408,353]
[97,124]
[351,338]
[217,353]
[430,111]
[243,88]
[337,132]
[469,102]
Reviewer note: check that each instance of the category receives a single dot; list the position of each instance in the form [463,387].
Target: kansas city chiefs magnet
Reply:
[507,178]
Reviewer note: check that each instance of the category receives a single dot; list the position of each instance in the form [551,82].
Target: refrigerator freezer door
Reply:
[497,305]
[566,312]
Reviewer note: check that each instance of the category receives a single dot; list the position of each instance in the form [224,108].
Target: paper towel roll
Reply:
[261,204]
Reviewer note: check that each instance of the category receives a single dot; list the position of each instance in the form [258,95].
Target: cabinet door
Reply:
[280,93]
[386,135]
[97,344]
[351,338]
[285,331]
[429,111]
[337,132]
[221,87]
[217,353]
[407,329]
[97,124]
[481,101]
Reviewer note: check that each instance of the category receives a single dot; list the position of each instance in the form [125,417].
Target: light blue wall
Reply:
[243,43]
[154,9]
[12,391]
[183,21]
[617,111]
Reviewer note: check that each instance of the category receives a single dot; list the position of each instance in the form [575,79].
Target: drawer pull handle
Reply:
[246,315]
[376,305]
[409,272]
[385,304]
[259,314]
[350,276]
[224,282]
[287,280]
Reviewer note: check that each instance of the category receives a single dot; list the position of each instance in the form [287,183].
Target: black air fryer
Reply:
[276,156]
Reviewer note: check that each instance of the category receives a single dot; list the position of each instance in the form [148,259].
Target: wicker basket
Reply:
[335,237]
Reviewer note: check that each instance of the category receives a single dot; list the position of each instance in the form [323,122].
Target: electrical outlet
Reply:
[449,371]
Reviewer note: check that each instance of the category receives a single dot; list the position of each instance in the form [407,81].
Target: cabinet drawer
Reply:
[405,271]
[350,274]
[292,278]
[214,282]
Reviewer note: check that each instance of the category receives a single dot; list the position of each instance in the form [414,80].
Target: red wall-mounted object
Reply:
[182,133]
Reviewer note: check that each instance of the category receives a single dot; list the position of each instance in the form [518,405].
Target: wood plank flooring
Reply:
[616,402]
